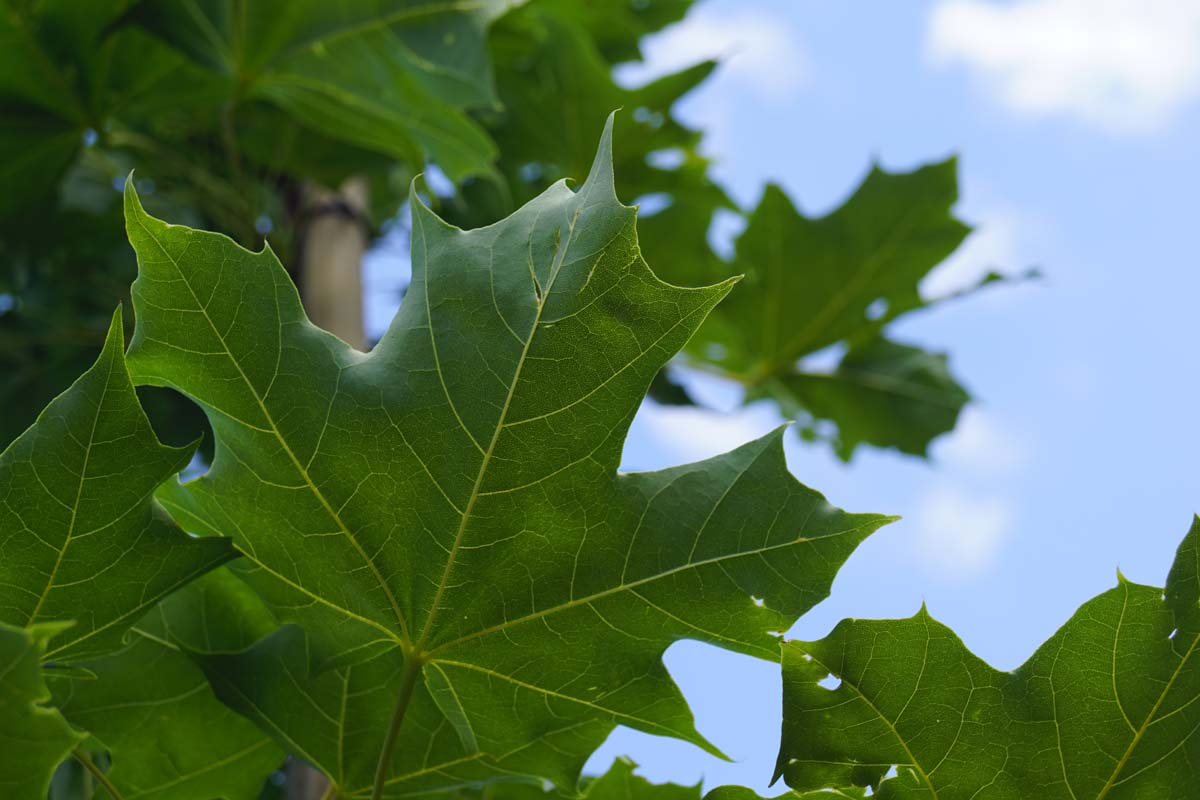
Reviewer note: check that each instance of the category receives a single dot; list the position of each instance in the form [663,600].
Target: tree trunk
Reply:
[332,245]
[305,783]
[331,252]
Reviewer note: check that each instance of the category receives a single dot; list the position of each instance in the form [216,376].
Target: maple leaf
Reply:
[81,537]
[812,283]
[1107,708]
[444,516]
[33,738]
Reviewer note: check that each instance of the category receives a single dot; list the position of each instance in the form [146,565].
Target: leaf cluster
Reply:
[436,574]
[234,110]
[419,569]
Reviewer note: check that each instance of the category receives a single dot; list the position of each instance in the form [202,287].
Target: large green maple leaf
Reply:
[446,510]
[81,537]
[1109,707]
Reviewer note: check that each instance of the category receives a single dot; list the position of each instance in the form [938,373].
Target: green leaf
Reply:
[81,534]
[742,793]
[554,63]
[883,393]
[63,70]
[810,282]
[1107,708]
[151,707]
[816,282]
[394,77]
[33,738]
[620,783]
[450,502]
[617,26]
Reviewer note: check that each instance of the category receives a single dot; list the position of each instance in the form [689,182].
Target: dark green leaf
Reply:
[452,499]
[1107,708]
[554,73]
[664,389]
[81,535]
[394,77]
[815,282]
[811,283]
[882,393]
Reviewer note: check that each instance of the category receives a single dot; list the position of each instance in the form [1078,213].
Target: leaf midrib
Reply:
[83,471]
[633,585]
[543,299]
[1145,726]
[279,435]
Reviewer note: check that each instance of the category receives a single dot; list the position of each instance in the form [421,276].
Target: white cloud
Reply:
[755,50]
[959,533]
[981,443]
[1126,65]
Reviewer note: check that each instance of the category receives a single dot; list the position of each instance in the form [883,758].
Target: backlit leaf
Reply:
[449,504]
[81,536]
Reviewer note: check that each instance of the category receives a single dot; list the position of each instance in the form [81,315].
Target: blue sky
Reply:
[1076,122]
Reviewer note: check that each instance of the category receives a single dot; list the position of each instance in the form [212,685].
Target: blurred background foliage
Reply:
[235,114]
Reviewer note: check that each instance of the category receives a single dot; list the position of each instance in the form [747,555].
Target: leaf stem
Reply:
[412,670]
[98,773]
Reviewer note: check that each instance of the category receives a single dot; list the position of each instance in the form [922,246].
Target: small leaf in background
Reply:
[742,793]
[882,393]
[450,504]
[82,537]
[1109,707]
[812,283]
[390,77]
[33,738]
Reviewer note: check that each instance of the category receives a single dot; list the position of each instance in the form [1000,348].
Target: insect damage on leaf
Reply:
[443,516]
